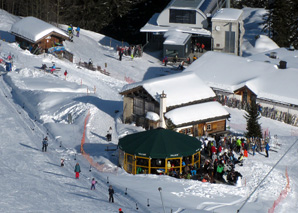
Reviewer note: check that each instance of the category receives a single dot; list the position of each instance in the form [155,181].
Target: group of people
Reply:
[198,47]
[132,51]
[71,31]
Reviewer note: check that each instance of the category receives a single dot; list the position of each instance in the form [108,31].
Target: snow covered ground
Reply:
[35,103]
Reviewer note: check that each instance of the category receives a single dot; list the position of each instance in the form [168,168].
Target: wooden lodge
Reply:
[201,114]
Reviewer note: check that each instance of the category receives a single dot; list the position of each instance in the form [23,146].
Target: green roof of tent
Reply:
[159,143]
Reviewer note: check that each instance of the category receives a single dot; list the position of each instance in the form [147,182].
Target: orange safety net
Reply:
[99,167]
[282,195]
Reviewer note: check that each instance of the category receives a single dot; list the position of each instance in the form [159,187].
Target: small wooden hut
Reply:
[36,35]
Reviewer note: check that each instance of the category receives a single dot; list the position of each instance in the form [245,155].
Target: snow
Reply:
[176,38]
[152,26]
[175,87]
[227,14]
[152,116]
[34,104]
[265,79]
[34,29]
[196,112]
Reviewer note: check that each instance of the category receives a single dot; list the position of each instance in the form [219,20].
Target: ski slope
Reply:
[34,103]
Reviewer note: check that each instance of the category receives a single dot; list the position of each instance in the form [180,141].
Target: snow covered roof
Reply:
[34,29]
[230,72]
[206,6]
[197,112]
[284,54]
[175,37]
[194,4]
[180,88]
[152,27]
[227,14]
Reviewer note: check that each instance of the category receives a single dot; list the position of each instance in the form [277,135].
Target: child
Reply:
[93,182]
[62,162]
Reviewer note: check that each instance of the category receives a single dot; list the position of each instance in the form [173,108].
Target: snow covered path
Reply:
[36,178]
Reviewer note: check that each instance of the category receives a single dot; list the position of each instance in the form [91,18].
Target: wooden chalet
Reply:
[143,98]
[36,35]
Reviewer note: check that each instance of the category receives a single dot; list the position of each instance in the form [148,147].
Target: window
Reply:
[209,127]
[149,107]
[230,42]
[138,106]
[182,16]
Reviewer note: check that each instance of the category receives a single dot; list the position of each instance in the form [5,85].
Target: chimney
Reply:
[282,65]
[162,109]
[273,55]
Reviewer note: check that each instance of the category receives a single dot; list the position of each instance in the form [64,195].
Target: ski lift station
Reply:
[184,25]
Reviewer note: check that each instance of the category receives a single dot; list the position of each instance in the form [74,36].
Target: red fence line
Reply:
[282,195]
[99,167]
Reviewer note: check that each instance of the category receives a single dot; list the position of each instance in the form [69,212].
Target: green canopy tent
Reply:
[151,150]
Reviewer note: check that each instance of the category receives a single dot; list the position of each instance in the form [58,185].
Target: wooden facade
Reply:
[246,94]
[136,103]
[204,128]
[46,42]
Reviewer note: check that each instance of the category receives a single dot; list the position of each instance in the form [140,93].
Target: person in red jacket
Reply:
[213,150]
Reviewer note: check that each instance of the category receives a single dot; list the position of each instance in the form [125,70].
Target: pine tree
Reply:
[281,22]
[252,116]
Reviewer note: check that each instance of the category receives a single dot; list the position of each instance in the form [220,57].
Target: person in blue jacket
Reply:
[78,31]
[267,147]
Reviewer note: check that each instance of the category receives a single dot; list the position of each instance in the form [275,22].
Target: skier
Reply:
[45,144]
[62,162]
[69,29]
[111,193]
[120,210]
[165,60]
[267,150]
[65,73]
[78,31]
[93,182]
[44,67]
[77,170]
[120,54]
[90,63]
[53,68]
[254,147]
[109,134]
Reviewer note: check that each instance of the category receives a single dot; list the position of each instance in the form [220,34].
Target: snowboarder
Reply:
[77,170]
[78,31]
[120,210]
[109,134]
[93,182]
[267,147]
[62,162]
[45,144]
[111,194]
